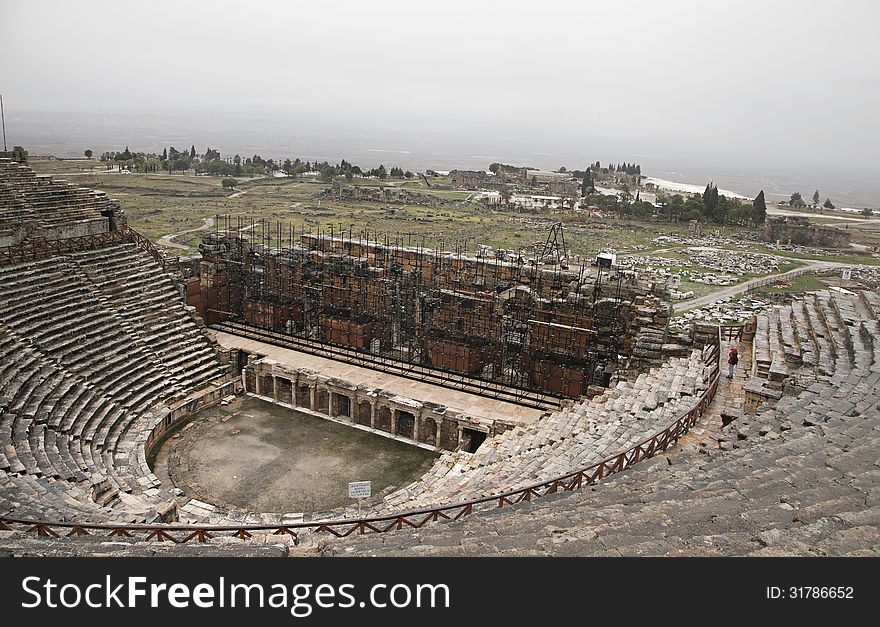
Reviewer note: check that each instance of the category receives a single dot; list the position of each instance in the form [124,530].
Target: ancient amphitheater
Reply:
[572,424]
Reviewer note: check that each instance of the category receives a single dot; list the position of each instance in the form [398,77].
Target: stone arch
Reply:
[364,412]
[406,424]
[303,393]
[428,431]
[284,387]
[322,401]
[342,405]
[383,418]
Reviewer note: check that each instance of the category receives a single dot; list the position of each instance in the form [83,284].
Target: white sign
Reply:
[360,489]
[846,274]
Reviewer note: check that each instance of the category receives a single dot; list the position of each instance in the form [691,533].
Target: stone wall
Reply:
[489,318]
[467,179]
[180,412]
[426,424]
[798,231]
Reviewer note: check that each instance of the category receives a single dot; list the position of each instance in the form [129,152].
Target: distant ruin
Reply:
[798,231]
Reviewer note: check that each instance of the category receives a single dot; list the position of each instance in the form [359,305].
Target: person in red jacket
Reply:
[732,361]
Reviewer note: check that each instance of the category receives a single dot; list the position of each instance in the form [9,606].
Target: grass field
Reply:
[162,204]
[798,285]
[61,167]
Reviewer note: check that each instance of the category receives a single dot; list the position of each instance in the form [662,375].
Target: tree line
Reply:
[716,208]
[797,201]
[710,206]
[213,163]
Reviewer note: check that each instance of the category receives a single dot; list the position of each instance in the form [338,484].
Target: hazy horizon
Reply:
[752,96]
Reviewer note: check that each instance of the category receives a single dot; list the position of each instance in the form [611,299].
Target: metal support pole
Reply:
[3,118]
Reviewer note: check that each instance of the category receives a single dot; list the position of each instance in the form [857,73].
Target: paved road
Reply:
[810,266]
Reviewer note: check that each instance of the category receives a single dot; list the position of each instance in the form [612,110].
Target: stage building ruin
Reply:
[531,331]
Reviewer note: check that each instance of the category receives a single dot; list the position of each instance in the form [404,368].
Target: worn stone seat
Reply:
[565,440]
[797,478]
[80,374]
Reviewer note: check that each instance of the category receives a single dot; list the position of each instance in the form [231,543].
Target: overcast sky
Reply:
[786,84]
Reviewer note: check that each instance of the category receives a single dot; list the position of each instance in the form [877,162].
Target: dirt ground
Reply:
[260,457]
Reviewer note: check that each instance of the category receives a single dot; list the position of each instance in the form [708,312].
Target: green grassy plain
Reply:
[161,204]
[798,285]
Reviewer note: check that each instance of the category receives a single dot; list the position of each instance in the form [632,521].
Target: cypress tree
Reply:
[710,200]
[587,185]
[759,209]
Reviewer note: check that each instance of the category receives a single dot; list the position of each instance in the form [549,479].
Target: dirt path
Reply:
[165,240]
[245,191]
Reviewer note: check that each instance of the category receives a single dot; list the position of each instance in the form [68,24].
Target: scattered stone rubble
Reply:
[650,261]
[716,267]
[714,239]
[732,262]
[867,275]
[803,250]
[729,310]
[717,260]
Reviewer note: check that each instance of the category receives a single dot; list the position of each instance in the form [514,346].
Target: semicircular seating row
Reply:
[575,437]
[799,477]
[93,346]
[30,201]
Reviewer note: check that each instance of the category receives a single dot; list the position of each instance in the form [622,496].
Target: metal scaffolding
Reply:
[525,330]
